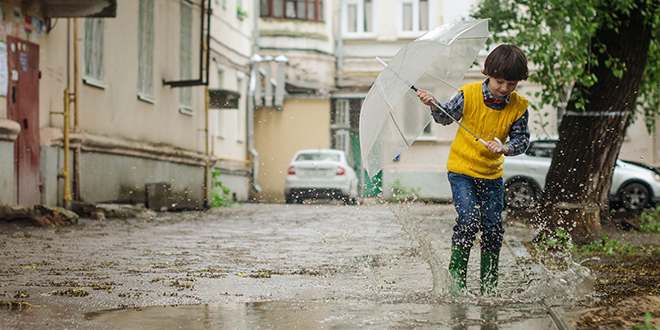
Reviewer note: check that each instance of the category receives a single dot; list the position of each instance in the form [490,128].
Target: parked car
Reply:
[320,173]
[634,186]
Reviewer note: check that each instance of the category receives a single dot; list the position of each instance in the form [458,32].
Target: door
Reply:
[23,107]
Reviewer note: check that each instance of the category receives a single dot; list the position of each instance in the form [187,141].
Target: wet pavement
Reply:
[265,266]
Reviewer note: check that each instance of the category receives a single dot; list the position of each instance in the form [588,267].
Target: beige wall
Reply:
[304,123]
[639,145]
[115,110]
[231,47]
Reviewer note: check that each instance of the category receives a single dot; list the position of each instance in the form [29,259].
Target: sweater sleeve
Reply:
[519,136]
[454,108]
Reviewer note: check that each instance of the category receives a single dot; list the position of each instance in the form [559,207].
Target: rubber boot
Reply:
[458,270]
[489,272]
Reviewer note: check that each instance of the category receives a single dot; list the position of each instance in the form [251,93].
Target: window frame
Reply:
[416,30]
[185,56]
[268,9]
[342,114]
[241,121]
[342,141]
[146,38]
[360,18]
[93,51]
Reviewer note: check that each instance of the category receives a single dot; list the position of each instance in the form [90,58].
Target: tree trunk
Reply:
[590,141]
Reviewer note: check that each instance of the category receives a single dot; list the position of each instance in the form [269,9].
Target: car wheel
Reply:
[634,196]
[288,198]
[348,200]
[520,195]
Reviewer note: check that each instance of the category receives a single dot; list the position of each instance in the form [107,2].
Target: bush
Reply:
[649,222]
[220,195]
[401,193]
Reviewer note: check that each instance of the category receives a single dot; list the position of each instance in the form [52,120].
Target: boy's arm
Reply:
[519,136]
[454,107]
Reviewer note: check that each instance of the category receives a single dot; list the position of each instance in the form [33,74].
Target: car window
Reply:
[317,156]
[541,149]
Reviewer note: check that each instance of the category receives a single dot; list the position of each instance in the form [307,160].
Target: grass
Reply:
[649,222]
[611,247]
[647,324]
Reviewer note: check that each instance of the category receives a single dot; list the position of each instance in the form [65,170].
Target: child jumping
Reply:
[490,109]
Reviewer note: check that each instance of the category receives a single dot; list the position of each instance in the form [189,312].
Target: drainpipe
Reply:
[340,47]
[76,151]
[254,74]
[65,172]
[207,172]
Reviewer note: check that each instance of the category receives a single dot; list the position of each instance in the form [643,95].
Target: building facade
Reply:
[135,82]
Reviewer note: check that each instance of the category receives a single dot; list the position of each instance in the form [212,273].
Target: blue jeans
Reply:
[479,204]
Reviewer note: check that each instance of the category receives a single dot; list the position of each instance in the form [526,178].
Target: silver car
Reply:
[320,173]
[634,186]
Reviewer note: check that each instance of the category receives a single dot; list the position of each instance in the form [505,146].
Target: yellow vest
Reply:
[469,156]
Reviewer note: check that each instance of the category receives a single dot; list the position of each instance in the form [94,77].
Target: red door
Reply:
[23,107]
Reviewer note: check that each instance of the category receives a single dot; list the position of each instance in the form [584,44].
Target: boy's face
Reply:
[500,87]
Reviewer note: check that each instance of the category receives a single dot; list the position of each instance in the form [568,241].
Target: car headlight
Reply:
[656,177]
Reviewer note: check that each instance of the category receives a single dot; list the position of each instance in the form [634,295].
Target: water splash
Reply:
[545,276]
[428,252]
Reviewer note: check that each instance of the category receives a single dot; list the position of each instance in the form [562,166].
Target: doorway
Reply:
[23,108]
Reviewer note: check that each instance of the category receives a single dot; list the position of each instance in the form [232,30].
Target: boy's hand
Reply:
[493,147]
[426,97]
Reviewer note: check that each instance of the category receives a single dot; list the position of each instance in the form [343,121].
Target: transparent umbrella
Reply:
[392,116]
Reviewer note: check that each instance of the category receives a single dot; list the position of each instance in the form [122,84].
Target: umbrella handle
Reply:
[496,140]
[500,143]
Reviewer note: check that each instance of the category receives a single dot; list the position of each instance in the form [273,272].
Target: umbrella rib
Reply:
[465,38]
[442,80]
[398,129]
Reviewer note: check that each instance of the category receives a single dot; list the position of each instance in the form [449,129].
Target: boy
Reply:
[490,110]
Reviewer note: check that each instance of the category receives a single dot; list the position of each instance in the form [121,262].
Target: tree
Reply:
[600,57]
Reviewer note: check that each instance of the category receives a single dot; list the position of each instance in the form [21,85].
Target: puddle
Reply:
[326,315]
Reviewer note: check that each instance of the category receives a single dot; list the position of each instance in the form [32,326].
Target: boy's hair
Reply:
[506,62]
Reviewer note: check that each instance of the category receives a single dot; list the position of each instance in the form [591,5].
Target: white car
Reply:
[320,173]
[634,186]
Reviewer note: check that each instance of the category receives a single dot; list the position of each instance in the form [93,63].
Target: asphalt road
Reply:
[266,266]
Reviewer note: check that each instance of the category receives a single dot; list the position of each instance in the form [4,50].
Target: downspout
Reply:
[66,201]
[76,151]
[254,74]
[207,171]
[340,47]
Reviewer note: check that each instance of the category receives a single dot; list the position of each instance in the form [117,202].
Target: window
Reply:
[146,50]
[342,113]
[414,16]
[342,141]
[93,57]
[241,82]
[311,10]
[219,132]
[359,17]
[185,57]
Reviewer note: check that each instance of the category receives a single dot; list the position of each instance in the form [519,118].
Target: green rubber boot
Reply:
[489,272]
[458,270]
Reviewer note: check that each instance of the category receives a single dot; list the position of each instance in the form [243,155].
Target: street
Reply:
[260,266]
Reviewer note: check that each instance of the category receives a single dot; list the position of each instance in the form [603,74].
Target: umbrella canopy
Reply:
[392,116]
